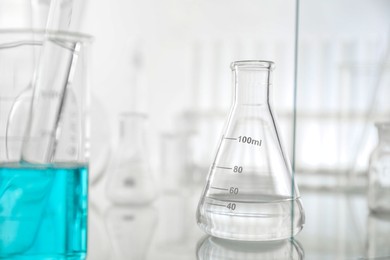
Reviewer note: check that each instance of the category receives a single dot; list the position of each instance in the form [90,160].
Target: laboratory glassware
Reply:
[43,207]
[174,208]
[130,177]
[378,234]
[99,246]
[379,172]
[131,230]
[100,141]
[202,129]
[49,89]
[211,248]
[250,192]
[53,74]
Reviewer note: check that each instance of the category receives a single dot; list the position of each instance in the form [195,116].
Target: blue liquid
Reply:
[43,211]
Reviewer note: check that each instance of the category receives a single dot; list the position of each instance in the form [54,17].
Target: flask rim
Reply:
[53,35]
[253,64]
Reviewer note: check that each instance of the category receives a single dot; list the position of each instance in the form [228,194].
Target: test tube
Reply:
[53,74]
[49,93]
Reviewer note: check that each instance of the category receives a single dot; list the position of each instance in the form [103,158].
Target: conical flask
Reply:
[250,193]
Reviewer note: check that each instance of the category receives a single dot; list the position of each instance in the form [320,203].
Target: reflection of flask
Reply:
[131,230]
[214,248]
[379,173]
[98,241]
[250,193]
[174,209]
[378,236]
[130,179]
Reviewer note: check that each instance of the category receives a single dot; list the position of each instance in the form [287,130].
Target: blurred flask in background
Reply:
[131,230]
[174,163]
[130,180]
[379,172]
[378,236]
[100,141]
[202,129]
[98,239]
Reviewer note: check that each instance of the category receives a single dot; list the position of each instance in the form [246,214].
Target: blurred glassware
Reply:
[100,141]
[130,180]
[343,87]
[98,240]
[131,230]
[174,209]
[202,129]
[378,236]
[212,248]
[174,163]
[61,15]
[66,15]
[379,171]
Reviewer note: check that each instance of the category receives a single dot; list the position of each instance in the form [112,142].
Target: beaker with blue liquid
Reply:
[44,146]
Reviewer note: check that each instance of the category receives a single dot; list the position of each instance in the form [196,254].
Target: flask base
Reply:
[253,221]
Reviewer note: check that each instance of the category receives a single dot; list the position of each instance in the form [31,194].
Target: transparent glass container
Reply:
[131,230]
[377,241]
[130,179]
[250,193]
[44,205]
[379,172]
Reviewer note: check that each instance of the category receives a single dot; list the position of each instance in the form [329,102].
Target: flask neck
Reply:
[131,127]
[252,85]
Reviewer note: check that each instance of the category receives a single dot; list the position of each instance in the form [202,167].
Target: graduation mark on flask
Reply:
[230,190]
[235,169]
[230,205]
[216,188]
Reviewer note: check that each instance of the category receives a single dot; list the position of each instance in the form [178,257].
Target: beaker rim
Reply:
[253,64]
[62,35]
